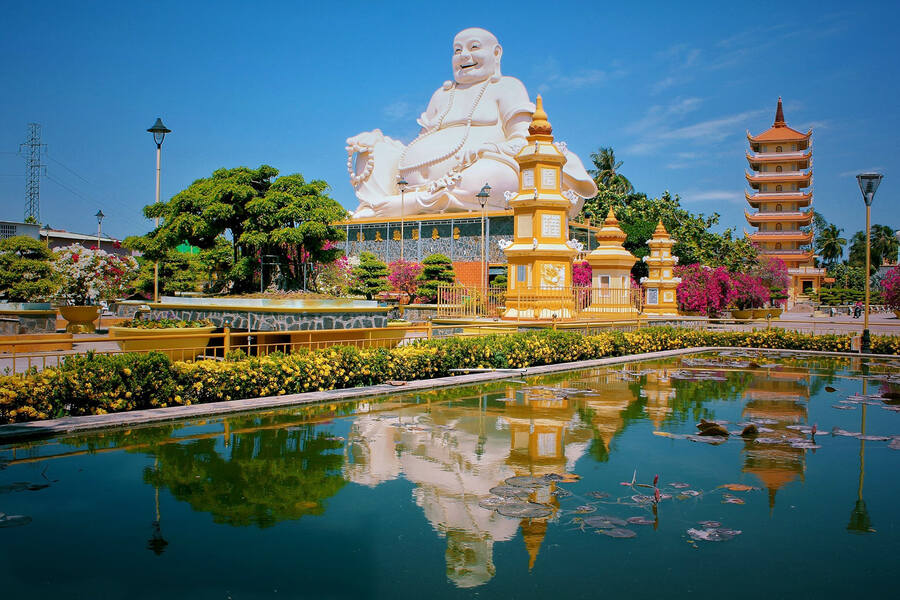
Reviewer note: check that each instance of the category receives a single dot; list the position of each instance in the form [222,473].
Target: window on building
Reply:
[778,188]
[777,148]
[604,286]
[778,169]
[777,208]
[777,226]
[778,245]
[521,273]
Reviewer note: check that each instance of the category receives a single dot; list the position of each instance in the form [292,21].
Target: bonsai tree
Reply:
[26,271]
[370,276]
[436,269]
[749,292]
[403,276]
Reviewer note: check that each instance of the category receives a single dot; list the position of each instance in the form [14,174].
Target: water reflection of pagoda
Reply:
[458,454]
[782,396]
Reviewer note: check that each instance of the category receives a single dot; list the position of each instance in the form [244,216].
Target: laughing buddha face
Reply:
[476,56]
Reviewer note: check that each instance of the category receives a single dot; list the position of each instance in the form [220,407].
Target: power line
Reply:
[70,170]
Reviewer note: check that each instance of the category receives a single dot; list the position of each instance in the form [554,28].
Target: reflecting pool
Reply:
[584,484]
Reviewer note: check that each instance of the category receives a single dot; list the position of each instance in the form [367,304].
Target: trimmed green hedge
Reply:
[98,384]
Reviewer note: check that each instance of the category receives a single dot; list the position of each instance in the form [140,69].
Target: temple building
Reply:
[780,177]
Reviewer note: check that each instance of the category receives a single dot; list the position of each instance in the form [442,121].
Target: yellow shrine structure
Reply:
[611,294]
[780,176]
[660,286]
[540,255]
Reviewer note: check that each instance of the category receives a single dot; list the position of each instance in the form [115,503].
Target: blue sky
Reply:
[673,87]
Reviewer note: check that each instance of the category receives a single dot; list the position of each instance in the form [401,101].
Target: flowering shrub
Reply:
[703,289]
[581,274]
[890,285]
[749,291]
[773,273]
[98,384]
[402,276]
[335,277]
[88,275]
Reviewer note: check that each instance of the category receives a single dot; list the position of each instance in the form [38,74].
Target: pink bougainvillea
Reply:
[749,291]
[402,276]
[891,286]
[703,289]
[581,274]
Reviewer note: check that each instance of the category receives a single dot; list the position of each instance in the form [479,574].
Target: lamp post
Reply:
[483,196]
[159,132]
[99,216]
[868,184]
[402,183]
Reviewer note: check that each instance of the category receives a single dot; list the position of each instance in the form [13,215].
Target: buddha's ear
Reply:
[498,53]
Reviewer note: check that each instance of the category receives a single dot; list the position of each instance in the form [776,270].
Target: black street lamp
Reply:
[402,183]
[483,196]
[99,216]
[159,132]
[868,184]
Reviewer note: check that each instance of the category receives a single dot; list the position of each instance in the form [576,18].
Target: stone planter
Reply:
[692,313]
[742,314]
[760,313]
[80,318]
[161,340]
[897,313]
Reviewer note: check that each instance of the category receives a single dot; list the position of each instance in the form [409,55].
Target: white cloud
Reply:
[712,196]
[399,110]
[554,77]
[712,129]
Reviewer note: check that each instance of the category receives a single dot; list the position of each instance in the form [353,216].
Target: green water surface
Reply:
[380,498]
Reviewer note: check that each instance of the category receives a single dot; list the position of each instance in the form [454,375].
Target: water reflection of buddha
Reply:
[456,456]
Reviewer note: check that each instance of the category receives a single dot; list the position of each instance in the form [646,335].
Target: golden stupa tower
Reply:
[780,177]
[611,263]
[660,286]
[541,254]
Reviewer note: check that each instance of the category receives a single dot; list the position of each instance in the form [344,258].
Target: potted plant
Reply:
[86,276]
[750,296]
[179,339]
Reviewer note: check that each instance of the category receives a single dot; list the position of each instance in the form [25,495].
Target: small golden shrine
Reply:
[660,286]
[611,293]
[541,254]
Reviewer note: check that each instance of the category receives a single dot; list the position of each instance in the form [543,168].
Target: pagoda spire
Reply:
[779,115]
[540,126]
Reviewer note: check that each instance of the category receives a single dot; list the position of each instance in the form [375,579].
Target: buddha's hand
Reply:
[365,141]
[470,155]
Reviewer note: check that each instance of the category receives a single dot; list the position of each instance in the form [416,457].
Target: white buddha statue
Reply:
[471,132]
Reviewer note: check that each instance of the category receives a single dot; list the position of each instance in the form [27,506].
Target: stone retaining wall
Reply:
[258,320]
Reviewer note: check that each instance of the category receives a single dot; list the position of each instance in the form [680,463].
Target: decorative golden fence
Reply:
[459,301]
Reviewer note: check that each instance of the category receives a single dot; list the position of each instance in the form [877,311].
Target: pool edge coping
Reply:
[32,430]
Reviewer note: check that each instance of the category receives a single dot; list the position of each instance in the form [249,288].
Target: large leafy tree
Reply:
[294,221]
[259,214]
[638,216]
[830,244]
[883,242]
[26,273]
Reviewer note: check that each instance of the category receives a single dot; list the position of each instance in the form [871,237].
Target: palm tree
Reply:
[606,172]
[884,244]
[830,244]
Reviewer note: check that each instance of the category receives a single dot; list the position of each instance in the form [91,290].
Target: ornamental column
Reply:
[541,254]
[660,286]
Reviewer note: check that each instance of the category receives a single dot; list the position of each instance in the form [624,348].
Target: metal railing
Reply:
[566,303]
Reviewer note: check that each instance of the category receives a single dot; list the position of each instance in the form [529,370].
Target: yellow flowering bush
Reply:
[98,384]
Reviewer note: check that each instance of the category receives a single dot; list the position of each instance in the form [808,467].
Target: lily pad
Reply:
[874,438]
[709,523]
[618,533]
[640,521]
[598,495]
[526,481]
[508,491]
[524,510]
[494,502]
[13,520]
[680,485]
[713,534]
[585,509]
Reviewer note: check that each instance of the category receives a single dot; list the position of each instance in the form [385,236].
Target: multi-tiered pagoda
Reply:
[781,175]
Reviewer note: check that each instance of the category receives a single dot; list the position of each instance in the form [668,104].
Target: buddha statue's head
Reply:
[476,56]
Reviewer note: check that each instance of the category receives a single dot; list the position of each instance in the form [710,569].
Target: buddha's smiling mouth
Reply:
[468,66]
